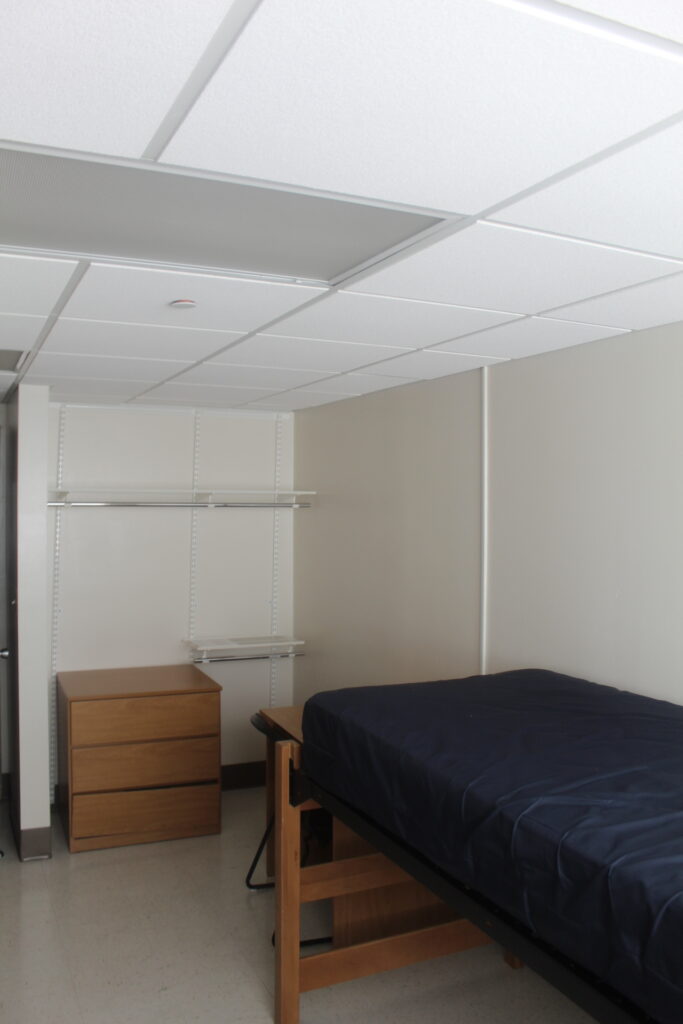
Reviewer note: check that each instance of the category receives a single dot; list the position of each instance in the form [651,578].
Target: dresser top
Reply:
[150,681]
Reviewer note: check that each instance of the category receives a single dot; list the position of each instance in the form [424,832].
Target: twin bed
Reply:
[547,810]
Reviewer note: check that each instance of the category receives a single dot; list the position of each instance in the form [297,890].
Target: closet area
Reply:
[171,543]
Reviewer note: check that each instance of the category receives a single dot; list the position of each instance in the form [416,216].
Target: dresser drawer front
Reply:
[178,811]
[138,765]
[127,719]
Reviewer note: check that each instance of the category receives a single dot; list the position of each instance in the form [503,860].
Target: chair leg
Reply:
[257,856]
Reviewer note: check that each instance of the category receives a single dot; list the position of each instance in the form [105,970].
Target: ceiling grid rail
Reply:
[228,32]
[330,238]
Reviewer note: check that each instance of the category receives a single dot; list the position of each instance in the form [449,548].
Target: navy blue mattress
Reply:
[558,799]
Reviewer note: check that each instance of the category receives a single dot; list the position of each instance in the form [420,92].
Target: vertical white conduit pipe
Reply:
[274,663]
[484,563]
[56,606]
[194,530]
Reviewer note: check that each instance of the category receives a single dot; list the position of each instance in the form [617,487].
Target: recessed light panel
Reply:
[56,203]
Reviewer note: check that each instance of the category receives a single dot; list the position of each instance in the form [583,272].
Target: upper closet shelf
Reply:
[243,648]
[89,497]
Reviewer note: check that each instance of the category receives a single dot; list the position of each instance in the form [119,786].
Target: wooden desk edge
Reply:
[287,718]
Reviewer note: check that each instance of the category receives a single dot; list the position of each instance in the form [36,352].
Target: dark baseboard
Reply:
[242,776]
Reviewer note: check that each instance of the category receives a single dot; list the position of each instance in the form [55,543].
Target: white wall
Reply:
[132,585]
[586,512]
[4,633]
[387,563]
[28,420]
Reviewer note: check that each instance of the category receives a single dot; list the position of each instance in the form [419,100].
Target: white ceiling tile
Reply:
[663,18]
[31,286]
[454,107]
[102,367]
[645,305]
[142,341]
[142,296]
[6,381]
[528,337]
[202,394]
[501,268]
[19,332]
[304,354]
[84,389]
[97,77]
[429,363]
[293,400]
[57,396]
[268,377]
[356,384]
[631,199]
[378,320]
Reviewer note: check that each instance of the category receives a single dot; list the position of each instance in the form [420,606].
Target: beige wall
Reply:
[387,562]
[586,512]
[584,549]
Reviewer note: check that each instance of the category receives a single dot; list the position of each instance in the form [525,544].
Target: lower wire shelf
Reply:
[249,648]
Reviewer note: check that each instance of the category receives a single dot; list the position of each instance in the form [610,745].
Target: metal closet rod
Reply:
[179,504]
[249,657]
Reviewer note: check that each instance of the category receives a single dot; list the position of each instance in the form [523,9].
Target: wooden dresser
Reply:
[139,755]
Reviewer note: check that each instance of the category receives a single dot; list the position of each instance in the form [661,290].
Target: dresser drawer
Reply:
[128,719]
[177,811]
[138,765]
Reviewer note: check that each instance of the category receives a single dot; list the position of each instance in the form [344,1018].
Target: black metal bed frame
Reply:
[601,1001]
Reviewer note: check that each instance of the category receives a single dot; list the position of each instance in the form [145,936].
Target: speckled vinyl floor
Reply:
[168,933]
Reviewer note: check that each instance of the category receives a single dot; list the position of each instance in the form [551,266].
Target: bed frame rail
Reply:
[481,921]
[296,885]
[521,946]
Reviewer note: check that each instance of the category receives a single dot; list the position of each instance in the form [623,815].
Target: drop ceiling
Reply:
[353,196]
